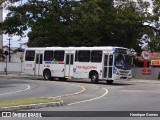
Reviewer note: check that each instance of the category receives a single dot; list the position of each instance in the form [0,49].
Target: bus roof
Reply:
[74,48]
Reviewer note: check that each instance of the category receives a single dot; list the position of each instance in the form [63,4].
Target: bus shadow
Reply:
[99,83]
[122,84]
[6,86]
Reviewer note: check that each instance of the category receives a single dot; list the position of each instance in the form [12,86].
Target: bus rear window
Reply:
[30,55]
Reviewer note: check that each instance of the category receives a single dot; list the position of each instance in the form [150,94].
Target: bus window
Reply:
[59,55]
[76,56]
[110,60]
[30,55]
[48,55]
[67,60]
[84,56]
[96,56]
[71,60]
[39,58]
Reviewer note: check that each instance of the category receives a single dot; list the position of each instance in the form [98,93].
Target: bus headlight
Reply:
[117,73]
[130,73]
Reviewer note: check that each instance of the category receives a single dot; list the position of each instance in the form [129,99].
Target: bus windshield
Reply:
[123,61]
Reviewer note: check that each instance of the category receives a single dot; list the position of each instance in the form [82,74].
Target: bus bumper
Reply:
[122,77]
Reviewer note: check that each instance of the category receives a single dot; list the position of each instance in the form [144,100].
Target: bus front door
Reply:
[69,65]
[38,64]
[108,65]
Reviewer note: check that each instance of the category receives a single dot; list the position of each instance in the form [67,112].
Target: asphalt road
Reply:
[20,89]
[135,95]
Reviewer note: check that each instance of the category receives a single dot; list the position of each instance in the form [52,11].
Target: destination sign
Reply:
[119,50]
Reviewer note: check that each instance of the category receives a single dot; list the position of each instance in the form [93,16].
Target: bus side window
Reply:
[96,56]
[30,54]
[110,60]
[76,56]
[48,55]
[59,55]
[84,56]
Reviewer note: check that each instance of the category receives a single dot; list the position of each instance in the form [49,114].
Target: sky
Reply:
[16,40]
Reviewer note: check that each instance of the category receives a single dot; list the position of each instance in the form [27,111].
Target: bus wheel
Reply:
[47,75]
[62,78]
[94,78]
[109,82]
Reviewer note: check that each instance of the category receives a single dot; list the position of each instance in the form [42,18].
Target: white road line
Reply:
[83,89]
[70,94]
[28,87]
[106,92]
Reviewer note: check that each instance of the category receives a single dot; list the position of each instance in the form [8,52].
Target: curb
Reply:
[145,80]
[32,106]
[20,77]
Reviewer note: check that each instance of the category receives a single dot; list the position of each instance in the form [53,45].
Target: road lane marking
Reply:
[83,89]
[70,94]
[106,92]
[28,87]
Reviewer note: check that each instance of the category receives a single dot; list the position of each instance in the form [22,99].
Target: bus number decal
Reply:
[46,65]
[86,67]
[29,65]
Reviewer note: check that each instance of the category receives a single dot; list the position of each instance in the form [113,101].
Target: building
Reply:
[154,60]
[15,52]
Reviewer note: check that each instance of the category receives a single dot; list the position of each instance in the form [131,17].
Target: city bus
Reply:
[94,63]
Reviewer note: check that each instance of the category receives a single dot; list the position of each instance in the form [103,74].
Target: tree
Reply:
[11,23]
[81,23]
[90,26]
[49,21]
[155,40]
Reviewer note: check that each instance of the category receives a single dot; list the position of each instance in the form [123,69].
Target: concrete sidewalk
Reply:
[18,75]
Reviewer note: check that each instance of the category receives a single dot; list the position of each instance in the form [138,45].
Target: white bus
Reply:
[95,63]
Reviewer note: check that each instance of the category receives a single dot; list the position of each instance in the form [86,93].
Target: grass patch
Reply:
[9,103]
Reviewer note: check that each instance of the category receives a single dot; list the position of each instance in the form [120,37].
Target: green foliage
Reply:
[155,44]
[82,23]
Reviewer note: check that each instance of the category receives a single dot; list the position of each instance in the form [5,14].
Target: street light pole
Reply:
[6,64]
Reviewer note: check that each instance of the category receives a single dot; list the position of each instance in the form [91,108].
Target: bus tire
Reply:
[47,74]
[62,78]
[109,82]
[94,78]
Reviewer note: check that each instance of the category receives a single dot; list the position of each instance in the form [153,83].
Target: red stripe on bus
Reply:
[60,62]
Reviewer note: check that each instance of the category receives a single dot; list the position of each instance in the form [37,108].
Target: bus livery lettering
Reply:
[86,67]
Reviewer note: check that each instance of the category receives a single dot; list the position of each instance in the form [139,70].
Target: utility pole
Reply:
[6,53]
[9,50]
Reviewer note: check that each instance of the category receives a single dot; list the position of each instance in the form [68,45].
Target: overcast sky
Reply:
[15,39]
